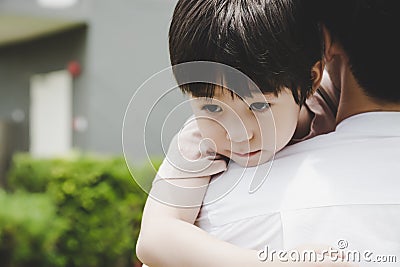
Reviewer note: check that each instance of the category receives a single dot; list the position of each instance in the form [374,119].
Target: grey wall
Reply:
[126,41]
[80,11]
[19,62]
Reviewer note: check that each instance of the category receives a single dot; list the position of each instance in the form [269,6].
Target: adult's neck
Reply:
[354,101]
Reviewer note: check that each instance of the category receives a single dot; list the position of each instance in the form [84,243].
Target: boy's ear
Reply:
[316,74]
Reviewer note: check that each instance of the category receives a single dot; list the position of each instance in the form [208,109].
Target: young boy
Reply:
[278,46]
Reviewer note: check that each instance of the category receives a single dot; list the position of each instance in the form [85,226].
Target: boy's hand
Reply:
[189,155]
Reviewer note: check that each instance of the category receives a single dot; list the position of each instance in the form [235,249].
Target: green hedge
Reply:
[87,211]
[29,230]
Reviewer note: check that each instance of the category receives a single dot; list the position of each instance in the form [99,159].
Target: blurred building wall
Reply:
[120,44]
[19,62]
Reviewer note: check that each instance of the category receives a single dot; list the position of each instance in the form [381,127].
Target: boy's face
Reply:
[250,130]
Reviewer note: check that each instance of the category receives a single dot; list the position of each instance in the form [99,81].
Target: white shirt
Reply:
[340,186]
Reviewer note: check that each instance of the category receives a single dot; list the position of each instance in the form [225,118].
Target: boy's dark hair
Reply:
[273,42]
[367,31]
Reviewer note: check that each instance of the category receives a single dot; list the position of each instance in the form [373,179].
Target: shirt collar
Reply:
[382,123]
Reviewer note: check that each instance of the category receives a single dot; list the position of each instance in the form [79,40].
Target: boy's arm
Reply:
[177,192]
[167,241]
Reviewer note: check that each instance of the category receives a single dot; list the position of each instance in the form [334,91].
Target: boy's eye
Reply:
[212,108]
[259,106]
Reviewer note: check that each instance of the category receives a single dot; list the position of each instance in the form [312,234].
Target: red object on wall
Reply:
[74,68]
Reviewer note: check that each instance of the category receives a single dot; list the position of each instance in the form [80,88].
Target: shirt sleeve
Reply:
[323,105]
[186,159]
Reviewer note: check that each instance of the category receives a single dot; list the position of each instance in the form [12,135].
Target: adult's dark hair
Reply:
[367,31]
[273,42]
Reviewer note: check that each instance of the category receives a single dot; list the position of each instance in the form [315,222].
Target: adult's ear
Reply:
[330,46]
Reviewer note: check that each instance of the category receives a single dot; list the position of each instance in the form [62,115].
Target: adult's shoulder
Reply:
[307,146]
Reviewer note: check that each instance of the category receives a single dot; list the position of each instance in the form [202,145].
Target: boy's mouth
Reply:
[246,155]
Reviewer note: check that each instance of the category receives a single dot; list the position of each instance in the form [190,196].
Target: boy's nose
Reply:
[239,133]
